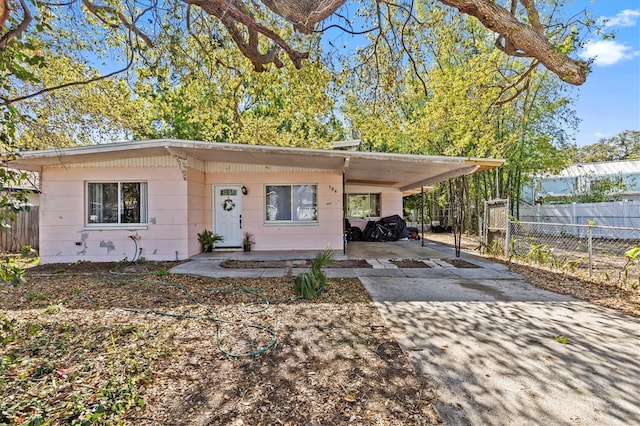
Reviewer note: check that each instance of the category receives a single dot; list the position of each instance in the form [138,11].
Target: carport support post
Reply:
[422,215]
[344,210]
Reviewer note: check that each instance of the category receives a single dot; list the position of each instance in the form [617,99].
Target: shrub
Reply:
[208,239]
[312,282]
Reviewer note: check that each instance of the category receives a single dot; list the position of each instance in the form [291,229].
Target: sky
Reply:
[609,102]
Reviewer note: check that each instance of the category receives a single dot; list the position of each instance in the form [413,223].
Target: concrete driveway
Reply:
[487,341]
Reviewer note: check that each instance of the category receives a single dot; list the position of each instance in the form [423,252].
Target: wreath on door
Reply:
[228,205]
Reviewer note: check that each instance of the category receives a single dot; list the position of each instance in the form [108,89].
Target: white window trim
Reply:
[379,194]
[290,222]
[116,226]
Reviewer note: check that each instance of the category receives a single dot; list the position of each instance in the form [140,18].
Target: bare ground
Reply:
[89,343]
[93,343]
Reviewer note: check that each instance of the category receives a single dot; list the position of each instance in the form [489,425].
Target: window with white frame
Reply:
[363,206]
[116,203]
[291,203]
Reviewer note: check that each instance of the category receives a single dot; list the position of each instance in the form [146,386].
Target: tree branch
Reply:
[522,39]
[6,102]
[131,26]
[22,26]
[234,12]
[303,14]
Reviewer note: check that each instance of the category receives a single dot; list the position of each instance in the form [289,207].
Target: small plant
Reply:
[11,273]
[493,250]
[7,331]
[306,285]
[27,251]
[541,254]
[208,239]
[248,241]
[54,308]
[31,296]
[570,265]
[632,255]
[312,282]
[162,272]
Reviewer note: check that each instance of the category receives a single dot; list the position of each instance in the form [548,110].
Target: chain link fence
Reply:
[597,251]
[595,240]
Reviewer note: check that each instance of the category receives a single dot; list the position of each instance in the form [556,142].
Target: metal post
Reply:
[485,227]
[590,250]
[507,237]
[344,213]
[421,233]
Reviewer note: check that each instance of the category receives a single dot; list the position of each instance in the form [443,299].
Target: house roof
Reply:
[601,169]
[403,171]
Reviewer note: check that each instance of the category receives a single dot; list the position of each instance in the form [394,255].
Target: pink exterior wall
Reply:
[327,232]
[391,201]
[199,208]
[179,207]
[65,237]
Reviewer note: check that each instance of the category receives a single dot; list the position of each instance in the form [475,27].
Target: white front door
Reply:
[227,211]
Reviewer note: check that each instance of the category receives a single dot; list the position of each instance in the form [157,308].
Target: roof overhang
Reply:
[405,172]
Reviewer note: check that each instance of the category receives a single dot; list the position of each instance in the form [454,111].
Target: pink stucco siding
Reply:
[65,236]
[179,207]
[327,232]
[199,208]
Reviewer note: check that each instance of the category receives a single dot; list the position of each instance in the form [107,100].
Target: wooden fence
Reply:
[24,231]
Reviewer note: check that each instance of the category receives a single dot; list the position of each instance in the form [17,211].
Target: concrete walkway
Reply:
[491,345]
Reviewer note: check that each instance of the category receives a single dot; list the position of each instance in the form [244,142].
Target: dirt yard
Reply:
[112,344]
[90,343]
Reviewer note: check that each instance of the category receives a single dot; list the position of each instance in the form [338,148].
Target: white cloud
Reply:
[607,52]
[626,18]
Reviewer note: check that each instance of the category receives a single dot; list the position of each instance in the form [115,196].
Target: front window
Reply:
[291,203]
[116,202]
[363,206]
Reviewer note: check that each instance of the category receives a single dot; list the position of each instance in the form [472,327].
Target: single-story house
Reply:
[577,179]
[152,198]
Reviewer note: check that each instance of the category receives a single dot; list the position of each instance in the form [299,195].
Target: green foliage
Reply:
[26,250]
[311,283]
[561,339]
[7,332]
[208,239]
[11,272]
[623,146]
[31,295]
[633,258]
[602,189]
[493,249]
[306,285]
[162,272]
[459,105]
[54,308]
[220,98]
[541,254]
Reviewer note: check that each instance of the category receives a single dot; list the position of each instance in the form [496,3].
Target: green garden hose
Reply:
[212,317]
